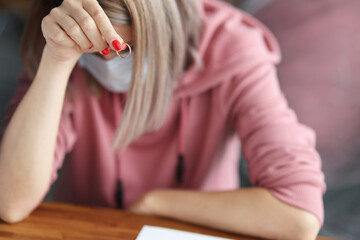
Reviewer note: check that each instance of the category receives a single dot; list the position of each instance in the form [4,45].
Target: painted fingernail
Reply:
[123,47]
[91,47]
[117,45]
[106,51]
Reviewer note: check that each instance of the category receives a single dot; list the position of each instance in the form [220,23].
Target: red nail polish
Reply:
[123,47]
[106,51]
[91,47]
[117,45]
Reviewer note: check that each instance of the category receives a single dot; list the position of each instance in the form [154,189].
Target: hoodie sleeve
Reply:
[66,134]
[280,151]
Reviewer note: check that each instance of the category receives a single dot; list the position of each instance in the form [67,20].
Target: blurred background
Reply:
[319,75]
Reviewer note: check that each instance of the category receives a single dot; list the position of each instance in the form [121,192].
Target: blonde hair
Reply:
[167,35]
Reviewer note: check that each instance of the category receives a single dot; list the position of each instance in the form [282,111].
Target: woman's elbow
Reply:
[12,216]
[307,227]
[13,213]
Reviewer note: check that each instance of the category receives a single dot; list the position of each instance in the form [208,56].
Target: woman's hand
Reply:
[79,26]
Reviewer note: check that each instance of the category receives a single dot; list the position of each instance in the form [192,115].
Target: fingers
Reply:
[85,24]
[72,28]
[89,28]
[104,25]
[55,33]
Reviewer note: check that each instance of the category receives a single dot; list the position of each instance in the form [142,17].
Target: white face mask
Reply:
[114,74]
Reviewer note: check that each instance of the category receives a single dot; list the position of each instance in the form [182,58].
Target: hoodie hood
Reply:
[231,42]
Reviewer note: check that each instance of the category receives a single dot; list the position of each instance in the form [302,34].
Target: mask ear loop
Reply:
[118,52]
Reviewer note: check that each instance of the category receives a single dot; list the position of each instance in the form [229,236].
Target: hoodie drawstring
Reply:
[119,194]
[180,169]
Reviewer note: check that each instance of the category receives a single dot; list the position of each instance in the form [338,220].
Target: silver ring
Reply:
[118,52]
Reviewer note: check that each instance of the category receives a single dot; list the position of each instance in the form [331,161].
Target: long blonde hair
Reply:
[167,35]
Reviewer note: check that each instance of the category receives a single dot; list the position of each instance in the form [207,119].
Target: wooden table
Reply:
[52,221]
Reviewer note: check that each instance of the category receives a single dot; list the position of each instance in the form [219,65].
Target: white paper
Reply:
[160,233]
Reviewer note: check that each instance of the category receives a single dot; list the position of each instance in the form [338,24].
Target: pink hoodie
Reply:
[236,98]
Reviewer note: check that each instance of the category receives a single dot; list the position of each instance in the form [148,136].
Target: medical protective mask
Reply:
[114,74]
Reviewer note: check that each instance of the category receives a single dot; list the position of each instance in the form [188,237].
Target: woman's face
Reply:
[126,33]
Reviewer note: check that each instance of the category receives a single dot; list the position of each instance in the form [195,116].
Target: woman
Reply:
[150,100]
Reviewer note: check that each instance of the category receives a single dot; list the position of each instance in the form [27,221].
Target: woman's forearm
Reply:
[252,211]
[27,148]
